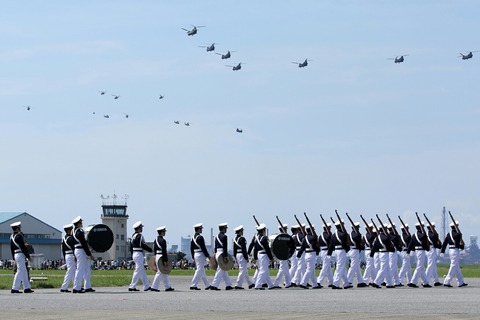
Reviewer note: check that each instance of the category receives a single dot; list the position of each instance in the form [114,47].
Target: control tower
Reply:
[114,215]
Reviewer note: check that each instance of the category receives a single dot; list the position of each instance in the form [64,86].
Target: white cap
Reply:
[68,226]
[337,223]
[406,226]
[77,219]
[261,226]
[284,226]
[224,224]
[16,224]
[433,224]
[295,226]
[417,224]
[137,224]
[357,224]
[240,227]
[161,228]
[371,225]
[198,225]
[390,226]
[453,224]
[308,227]
[328,224]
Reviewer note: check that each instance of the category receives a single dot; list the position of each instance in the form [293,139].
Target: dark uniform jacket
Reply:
[17,242]
[356,240]
[382,243]
[262,246]
[298,238]
[221,242]
[240,245]
[405,239]
[79,236]
[397,242]
[434,240]
[68,244]
[139,243]
[339,238]
[419,241]
[454,240]
[309,244]
[198,243]
[160,247]
[369,239]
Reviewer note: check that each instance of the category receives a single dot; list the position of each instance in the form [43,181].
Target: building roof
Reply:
[5,216]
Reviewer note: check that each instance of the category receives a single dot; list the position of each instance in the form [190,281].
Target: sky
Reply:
[352,131]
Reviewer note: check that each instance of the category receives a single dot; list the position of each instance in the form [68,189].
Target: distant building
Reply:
[185,246]
[173,248]
[44,238]
[115,217]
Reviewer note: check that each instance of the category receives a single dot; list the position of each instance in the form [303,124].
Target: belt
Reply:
[197,250]
[78,246]
[419,248]
[325,249]
[338,247]
[69,252]
[355,248]
[367,249]
[309,250]
[239,251]
[262,251]
[18,251]
[298,248]
[383,250]
[158,252]
[138,249]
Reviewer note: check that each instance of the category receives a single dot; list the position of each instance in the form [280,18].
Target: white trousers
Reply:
[406,268]
[420,269]
[83,270]
[242,271]
[200,274]
[384,273]
[139,273]
[283,272]
[310,261]
[263,275]
[393,264]
[454,270]
[160,276]
[326,271]
[293,264]
[21,275]
[370,269]
[355,270]
[220,274]
[297,277]
[432,265]
[341,269]
[70,274]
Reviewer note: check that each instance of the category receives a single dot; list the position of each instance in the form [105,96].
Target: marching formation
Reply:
[296,254]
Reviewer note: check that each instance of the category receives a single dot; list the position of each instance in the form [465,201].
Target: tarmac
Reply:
[109,303]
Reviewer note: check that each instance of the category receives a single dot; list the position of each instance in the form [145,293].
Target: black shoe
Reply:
[362,285]
[264,285]
[196,288]
[61,290]
[239,288]
[129,289]
[463,285]
[330,285]
[293,284]
[348,286]
[437,284]
[289,286]
[390,287]
[262,288]
[336,288]
[317,287]
[399,285]
[383,284]
[374,285]
[228,288]
[212,288]
[448,285]
[303,287]
[309,285]
[411,285]
[80,291]
[90,290]
[148,289]
[371,284]
[28,291]
[168,289]
[207,288]
[274,287]
[15,291]
[155,290]
[251,286]
[426,285]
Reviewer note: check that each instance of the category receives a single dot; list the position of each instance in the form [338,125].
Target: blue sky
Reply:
[353,131]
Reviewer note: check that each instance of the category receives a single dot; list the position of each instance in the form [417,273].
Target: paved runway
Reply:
[357,303]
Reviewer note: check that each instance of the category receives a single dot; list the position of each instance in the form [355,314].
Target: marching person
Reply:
[68,245]
[455,243]
[300,270]
[339,245]
[20,255]
[240,253]
[283,270]
[393,255]
[370,272]
[406,268]
[324,242]
[82,253]
[419,243]
[293,259]
[161,257]
[356,246]
[311,250]
[200,255]
[221,252]
[138,245]
[431,254]
[263,255]
[383,245]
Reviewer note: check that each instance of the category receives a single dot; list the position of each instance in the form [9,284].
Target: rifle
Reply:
[300,225]
[353,224]
[375,226]
[256,221]
[390,243]
[456,227]
[423,230]
[343,227]
[281,225]
[383,226]
[325,225]
[404,226]
[393,226]
[432,227]
[313,229]
[370,231]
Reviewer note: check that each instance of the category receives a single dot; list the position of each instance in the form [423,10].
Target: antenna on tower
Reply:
[125,196]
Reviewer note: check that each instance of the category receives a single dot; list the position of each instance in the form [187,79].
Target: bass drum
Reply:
[280,245]
[165,269]
[99,237]
[225,265]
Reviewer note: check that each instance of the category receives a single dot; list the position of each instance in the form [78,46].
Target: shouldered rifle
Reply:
[404,226]
[432,227]
[393,226]
[300,225]
[312,228]
[423,230]
[281,225]
[355,228]
[333,221]
[456,227]
[383,226]
[376,229]
[256,221]
[370,231]
[343,227]
[325,225]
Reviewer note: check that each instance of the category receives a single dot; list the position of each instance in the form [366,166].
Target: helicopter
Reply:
[106,116]
[187,124]
[226,55]
[193,31]
[467,56]
[209,48]
[126,115]
[239,130]
[235,68]
[161,97]
[302,64]
[176,122]
[102,92]
[398,59]
[115,96]
[27,107]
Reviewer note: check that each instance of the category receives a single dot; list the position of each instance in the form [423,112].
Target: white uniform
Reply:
[68,246]
[83,264]
[453,240]
[197,245]
[138,244]
[21,275]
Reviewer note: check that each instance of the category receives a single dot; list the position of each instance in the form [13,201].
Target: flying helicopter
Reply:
[126,115]
[161,97]
[102,92]
[27,107]
[239,130]
[187,124]
[115,96]
[302,64]
[399,59]
[226,55]
[193,31]
[106,116]
[176,122]
[235,68]
[467,56]
[209,48]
